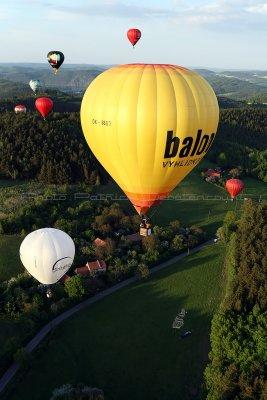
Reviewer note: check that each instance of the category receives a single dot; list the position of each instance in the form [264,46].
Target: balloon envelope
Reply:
[55,59]
[149,126]
[44,105]
[234,187]
[20,108]
[47,254]
[35,85]
[134,35]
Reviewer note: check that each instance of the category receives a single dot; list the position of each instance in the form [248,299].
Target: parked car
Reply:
[185,334]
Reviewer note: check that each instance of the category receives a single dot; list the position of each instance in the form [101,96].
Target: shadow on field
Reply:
[186,266]
[126,346]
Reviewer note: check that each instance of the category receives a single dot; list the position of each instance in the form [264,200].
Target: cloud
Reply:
[258,9]
[115,9]
[237,13]
[206,13]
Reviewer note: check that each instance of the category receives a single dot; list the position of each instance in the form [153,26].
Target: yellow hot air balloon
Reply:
[149,125]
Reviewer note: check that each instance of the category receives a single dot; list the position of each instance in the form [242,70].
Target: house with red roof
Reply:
[213,173]
[99,242]
[92,268]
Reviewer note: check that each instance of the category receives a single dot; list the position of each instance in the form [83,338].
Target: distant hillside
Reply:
[237,85]
[68,79]
[10,89]
[258,77]
[236,88]
[240,86]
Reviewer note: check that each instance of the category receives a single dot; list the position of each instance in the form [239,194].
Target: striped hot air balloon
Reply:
[20,108]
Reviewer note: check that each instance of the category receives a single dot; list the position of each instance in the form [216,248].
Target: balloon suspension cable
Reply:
[156,209]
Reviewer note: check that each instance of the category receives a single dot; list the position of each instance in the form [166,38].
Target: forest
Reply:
[52,151]
[238,334]
[241,141]
[55,151]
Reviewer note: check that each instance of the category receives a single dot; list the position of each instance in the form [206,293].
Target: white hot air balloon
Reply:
[35,85]
[47,254]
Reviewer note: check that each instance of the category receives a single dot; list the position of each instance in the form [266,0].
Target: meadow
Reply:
[125,344]
[193,202]
[9,256]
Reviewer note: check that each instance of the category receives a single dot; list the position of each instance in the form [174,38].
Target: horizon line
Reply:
[6,63]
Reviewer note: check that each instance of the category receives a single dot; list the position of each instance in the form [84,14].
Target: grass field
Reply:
[10,264]
[195,201]
[125,344]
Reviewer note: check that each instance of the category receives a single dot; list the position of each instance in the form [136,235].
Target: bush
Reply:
[75,288]
[150,243]
[175,226]
[77,392]
[177,243]
[142,271]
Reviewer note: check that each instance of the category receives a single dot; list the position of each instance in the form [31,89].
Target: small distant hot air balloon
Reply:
[20,108]
[35,85]
[47,254]
[55,59]
[134,35]
[234,187]
[44,105]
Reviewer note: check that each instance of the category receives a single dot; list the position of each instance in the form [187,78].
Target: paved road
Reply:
[6,378]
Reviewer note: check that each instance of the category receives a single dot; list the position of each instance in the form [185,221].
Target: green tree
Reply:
[142,271]
[107,250]
[150,243]
[175,226]
[238,334]
[177,243]
[235,172]
[75,287]
[229,226]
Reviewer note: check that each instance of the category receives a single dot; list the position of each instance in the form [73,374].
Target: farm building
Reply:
[92,268]
[99,242]
[213,173]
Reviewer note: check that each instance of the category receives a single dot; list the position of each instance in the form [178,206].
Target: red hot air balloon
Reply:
[44,105]
[133,35]
[20,108]
[234,187]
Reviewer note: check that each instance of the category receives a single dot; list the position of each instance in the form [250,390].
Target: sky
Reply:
[197,33]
